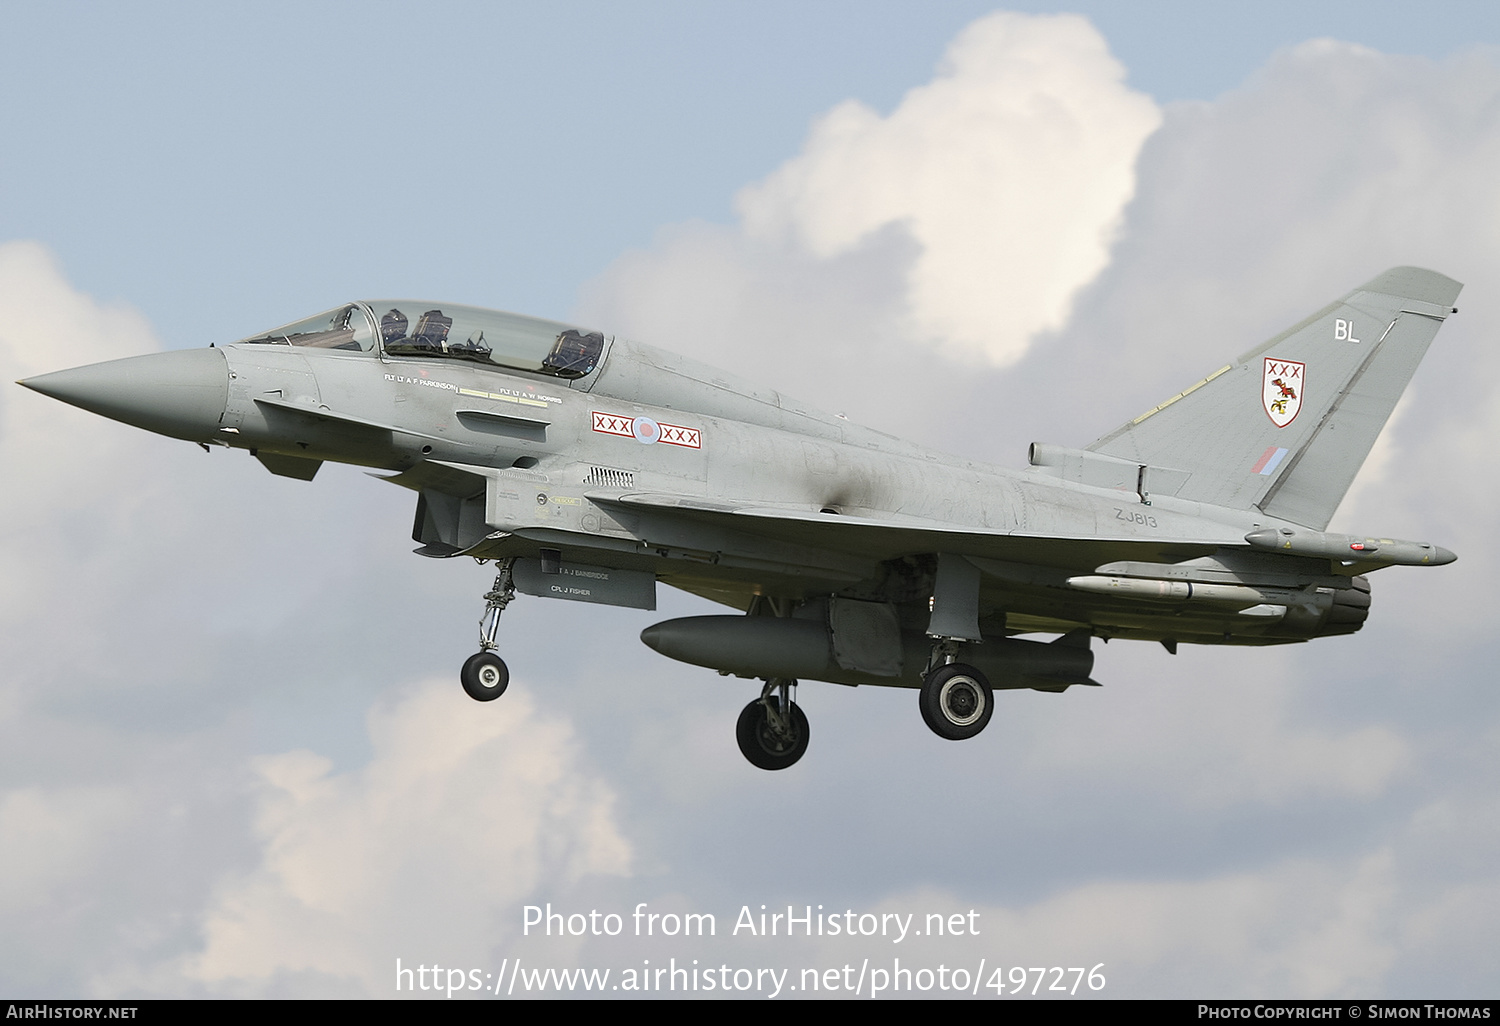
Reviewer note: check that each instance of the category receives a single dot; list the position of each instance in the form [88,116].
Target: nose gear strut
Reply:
[495,600]
[485,675]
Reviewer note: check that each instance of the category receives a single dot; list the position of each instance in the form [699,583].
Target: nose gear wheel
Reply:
[485,676]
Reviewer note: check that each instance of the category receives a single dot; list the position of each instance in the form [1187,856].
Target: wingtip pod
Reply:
[1349,548]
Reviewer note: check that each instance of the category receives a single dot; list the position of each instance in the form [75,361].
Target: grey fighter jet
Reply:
[590,468]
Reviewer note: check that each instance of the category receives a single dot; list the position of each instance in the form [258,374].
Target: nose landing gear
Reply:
[485,675]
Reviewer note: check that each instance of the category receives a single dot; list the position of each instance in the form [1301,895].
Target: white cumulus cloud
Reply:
[959,227]
[1010,170]
[423,854]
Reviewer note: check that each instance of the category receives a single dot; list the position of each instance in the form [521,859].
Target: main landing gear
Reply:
[956,698]
[485,675]
[772,730]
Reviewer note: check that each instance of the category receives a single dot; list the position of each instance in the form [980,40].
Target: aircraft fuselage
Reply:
[592,468]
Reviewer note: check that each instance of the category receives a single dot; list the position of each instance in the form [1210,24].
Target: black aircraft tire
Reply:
[956,701]
[485,676]
[761,745]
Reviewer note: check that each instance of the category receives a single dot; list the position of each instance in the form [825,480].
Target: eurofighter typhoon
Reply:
[591,468]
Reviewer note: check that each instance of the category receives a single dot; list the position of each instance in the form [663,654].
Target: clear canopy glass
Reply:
[347,327]
[414,327]
[424,328]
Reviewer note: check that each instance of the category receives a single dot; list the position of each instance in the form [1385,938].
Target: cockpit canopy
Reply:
[422,328]
[347,327]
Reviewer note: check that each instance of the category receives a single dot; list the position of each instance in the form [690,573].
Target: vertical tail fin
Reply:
[1286,426]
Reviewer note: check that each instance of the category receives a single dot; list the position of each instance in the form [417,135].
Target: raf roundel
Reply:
[645,430]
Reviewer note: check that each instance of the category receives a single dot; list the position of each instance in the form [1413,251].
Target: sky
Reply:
[234,756]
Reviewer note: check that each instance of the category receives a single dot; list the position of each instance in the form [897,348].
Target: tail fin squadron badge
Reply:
[1281,393]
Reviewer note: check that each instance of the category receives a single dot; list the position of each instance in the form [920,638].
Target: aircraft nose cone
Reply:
[180,393]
